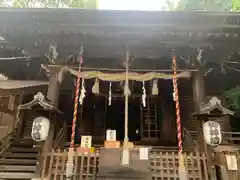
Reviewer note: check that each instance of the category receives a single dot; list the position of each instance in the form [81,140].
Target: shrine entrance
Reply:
[115,119]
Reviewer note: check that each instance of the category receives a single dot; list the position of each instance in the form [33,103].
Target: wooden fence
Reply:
[230,173]
[54,166]
[163,165]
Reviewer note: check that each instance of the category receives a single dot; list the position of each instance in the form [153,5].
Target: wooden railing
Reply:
[231,174]
[228,137]
[54,166]
[60,132]
[6,142]
[232,137]
[59,138]
[187,136]
[163,165]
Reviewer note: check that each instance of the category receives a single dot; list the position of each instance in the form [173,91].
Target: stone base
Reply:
[110,165]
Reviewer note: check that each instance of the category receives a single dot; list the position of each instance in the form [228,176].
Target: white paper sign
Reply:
[143,153]
[231,162]
[111,135]
[86,141]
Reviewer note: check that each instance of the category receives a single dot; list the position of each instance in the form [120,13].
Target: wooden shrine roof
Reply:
[21,86]
[107,32]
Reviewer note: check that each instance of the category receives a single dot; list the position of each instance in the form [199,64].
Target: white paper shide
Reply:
[231,162]
[86,141]
[111,135]
[143,153]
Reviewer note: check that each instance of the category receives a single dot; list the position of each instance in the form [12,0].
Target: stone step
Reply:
[7,175]
[18,162]
[23,150]
[14,168]
[19,155]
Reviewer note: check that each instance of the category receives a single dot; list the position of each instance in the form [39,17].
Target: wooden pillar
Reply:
[198,89]
[198,99]
[54,85]
[18,120]
[49,141]
[47,145]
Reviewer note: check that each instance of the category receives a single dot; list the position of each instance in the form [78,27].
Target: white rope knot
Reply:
[82,94]
[110,94]
[144,94]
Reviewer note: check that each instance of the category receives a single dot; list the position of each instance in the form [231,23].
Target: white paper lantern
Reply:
[212,133]
[40,128]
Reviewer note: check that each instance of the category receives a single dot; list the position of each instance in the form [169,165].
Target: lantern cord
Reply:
[76,98]
[176,99]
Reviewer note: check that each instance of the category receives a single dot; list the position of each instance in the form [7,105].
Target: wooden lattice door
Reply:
[149,121]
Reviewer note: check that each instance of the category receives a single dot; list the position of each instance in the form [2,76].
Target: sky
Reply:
[150,5]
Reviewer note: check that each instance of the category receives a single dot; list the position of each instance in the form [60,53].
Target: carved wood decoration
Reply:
[213,105]
[39,99]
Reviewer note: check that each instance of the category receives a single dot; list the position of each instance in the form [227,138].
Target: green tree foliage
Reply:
[88,4]
[210,5]
[236,5]
[233,96]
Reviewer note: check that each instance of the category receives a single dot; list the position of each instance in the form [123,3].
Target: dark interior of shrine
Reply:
[95,115]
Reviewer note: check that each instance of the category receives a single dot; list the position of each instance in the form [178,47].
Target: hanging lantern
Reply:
[212,133]
[40,128]
[110,94]
[95,88]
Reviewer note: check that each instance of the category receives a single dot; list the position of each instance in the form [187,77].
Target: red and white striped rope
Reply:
[76,99]
[178,118]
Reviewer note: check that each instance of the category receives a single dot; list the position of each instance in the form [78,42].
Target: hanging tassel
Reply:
[82,94]
[110,94]
[127,90]
[95,88]
[144,95]
[155,87]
